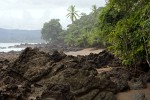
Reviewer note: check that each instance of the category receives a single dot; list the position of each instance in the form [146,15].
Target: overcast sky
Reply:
[31,14]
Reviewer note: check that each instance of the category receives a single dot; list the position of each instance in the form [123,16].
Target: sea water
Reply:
[4,47]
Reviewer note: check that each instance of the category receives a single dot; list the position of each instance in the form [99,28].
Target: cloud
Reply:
[31,14]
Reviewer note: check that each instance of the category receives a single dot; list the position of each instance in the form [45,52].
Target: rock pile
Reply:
[36,75]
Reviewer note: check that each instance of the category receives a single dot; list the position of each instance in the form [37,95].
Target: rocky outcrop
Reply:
[104,58]
[36,75]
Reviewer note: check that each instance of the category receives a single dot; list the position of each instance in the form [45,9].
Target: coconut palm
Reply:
[94,10]
[72,13]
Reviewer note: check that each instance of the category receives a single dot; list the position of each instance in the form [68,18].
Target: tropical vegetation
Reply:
[84,31]
[51,30]
[123,26]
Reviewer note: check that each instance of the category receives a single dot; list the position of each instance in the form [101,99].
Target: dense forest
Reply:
[125,24]
[122,26]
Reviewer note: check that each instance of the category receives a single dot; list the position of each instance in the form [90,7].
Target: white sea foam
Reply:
[4,47]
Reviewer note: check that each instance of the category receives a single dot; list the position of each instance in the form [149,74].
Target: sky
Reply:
[32,14]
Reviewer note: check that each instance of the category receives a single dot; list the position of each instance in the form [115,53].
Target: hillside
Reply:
[23,36]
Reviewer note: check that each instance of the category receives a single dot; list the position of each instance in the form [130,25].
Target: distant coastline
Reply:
[20,36]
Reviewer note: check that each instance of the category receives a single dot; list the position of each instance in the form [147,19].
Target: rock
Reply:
[143,66]
[137,85]
[139,96]
[3,96]
[122,85]
[3,64]
[39,75]
[30,62]
[82,84]
[12,92]
[145,78]
[57,92]
[12,87]
[56,56]
[127,76]
[105,96]
[90,95]
[4,61]
[103,58]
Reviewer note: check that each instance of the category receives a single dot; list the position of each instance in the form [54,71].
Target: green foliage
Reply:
[125,24]
[84,32]
[51,30]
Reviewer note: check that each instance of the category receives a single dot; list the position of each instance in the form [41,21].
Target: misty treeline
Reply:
[123,26]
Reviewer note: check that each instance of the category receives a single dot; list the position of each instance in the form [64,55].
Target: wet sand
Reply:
[129,95]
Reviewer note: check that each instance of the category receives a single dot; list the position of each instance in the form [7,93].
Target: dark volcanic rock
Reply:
[39,75]
[145,78]
[56,56]
[3,63]
[57,92]
[122,85]
[29,62]
[103,58]
[105,96]
[139,96]
[137,85]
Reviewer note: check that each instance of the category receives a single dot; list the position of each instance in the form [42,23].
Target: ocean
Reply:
[5,47]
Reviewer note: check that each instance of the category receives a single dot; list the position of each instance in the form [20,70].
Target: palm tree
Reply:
[72,13]
[106,1]
[94,10]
